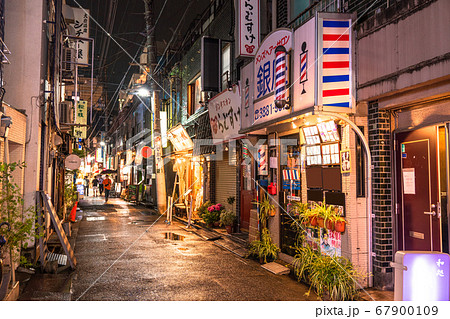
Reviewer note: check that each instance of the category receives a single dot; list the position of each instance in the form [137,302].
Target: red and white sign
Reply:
[225,115]
[248,28]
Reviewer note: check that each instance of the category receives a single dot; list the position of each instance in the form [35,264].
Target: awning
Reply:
[199,129]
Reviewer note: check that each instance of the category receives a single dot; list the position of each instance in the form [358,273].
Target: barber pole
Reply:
[280,76]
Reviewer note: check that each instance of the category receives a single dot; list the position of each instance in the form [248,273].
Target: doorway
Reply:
[247,188]
[421,189]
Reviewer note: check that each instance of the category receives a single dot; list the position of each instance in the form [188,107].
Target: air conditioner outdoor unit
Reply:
[68,59]
[66,111]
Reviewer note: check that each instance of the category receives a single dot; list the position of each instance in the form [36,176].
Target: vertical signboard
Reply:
[335,89]
[264,75]
[246,86]
[224,115]
[248,27]
[304,70]
[81,27]
[80,118]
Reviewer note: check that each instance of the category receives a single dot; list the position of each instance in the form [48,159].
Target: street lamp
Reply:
[143,92]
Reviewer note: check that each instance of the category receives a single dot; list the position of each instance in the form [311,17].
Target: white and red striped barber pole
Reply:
[280,76]
[263,167]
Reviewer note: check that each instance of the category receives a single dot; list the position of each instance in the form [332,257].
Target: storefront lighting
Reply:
[143,92]
[293,125]
[102,143]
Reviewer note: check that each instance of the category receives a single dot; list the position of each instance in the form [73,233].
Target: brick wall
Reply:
[379,142]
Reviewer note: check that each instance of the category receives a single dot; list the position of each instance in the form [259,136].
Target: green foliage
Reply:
[12,211]
[80,153]
[265,207]
[264,249]
[324,211]
[227,218]
[335,277]
[24,262]
[203,208]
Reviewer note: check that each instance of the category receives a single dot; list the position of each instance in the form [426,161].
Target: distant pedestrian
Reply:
[100,184]
[86,186]
[107,183]
[95,186]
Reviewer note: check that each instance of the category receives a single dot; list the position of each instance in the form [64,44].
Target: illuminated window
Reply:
[194,95]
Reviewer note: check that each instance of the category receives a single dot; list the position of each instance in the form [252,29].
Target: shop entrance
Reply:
[419,190]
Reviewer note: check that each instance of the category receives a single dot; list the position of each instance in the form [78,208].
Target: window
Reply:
[194,95]
[226,66]
[298,6]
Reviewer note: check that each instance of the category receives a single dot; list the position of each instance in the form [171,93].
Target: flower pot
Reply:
[330,225]
[272,212]
[339,227]
[216,224]
[320,222]
[313,221]
[229,229]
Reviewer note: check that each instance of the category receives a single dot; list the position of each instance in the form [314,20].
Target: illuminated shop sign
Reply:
[422,276]
[180,139]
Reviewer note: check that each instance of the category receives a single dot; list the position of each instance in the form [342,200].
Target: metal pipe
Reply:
[369,185]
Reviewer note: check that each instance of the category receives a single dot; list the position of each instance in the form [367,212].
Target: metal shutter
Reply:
[225,180]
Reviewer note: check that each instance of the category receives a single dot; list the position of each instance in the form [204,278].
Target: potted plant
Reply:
[227,219]
[265,250]
[266,210]
[339,224]
[324,213]
[212,216]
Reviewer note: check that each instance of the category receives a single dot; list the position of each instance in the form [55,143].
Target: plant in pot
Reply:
[212,216]
[339,223]
[324,213]
[265,250]
[266,210]
[227,219]
[334,278]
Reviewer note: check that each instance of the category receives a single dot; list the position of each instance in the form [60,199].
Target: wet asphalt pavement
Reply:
[120,258]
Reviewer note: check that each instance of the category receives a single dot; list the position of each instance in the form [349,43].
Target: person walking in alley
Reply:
[100,184]
[107,184]
[86,186]
[95,186]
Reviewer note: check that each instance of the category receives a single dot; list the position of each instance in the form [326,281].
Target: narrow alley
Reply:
[121,256]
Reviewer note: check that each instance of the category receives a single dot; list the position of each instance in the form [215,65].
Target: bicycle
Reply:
[2,243]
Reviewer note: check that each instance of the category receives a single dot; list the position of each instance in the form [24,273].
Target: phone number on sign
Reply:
[266,110]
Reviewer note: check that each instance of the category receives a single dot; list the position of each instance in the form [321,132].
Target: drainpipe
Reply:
[369,185]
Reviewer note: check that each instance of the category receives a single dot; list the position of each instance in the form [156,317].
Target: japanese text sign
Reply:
[225,114]
[80,118]
[248,28]
[180,139]
[422,276]
[81,26]
[264,76]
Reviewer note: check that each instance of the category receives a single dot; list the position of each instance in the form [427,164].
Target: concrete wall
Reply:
[411,49]
[23,35]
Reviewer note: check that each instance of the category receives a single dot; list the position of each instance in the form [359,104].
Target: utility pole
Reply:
[151,78]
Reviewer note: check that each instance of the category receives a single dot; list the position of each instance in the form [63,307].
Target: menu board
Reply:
[328,131]
[330,153]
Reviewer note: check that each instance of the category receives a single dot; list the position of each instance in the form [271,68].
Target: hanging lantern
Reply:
[280,77]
